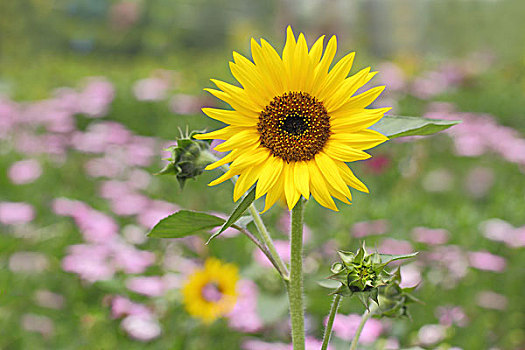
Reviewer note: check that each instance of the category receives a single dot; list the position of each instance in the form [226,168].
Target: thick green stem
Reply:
[295,290]
[265,236]
[364,318]
[330,323]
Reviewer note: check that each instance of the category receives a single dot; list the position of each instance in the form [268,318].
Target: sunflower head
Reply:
[294,123]
[210,292]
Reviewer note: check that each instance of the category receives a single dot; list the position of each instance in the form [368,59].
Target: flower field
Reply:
[83,131]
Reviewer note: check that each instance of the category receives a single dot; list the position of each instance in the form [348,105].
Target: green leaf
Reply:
[387,258]
[184,223]
[237,213]
[396,126]
[330,284]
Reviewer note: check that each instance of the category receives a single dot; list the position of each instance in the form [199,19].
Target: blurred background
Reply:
[92,91]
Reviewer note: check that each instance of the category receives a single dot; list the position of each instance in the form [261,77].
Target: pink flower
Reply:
[370,228]
[283,249]
[410,276]
[244,315]
[492,300]
[38,323]
[143,328]
[150,89]
[346,326]
[156,211]
[90,262]
[24,171]
[486,261]
[185,104]
[129,204]
[130,259]
[431,334]
[449,315]
[15,213]
[430,236]
[121,306]
[152,286]
[28,262]
[394,246]
[479,180]
[96,97]
[95,225]
[502,231]
[392,76]
[253,344]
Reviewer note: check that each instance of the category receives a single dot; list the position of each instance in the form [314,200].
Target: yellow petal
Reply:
[349,177]
[273,65]
[363,139]
[251,102]
[224,160]
[245,181]
[363,100]
[337,97]
[226,176]
[270,172]
[319,188]
[339,151]
[274,194]
[316,51]
[302,178]
[330,172]
[230,117]
[243,139]
[322,68]
[335,77]
[290,190]
[221,134]
[355,119]
[250,158]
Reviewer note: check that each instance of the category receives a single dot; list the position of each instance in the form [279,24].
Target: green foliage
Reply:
[397,126]
[184,223]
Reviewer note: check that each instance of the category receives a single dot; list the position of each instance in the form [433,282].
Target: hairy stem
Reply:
[330,323]
[281,266]
[366,316]
[295,290]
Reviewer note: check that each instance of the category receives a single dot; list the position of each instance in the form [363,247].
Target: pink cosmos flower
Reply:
[95,98]
[143,328]
[15,213]
[28,262]
[345,327]
[370,228]
[430,236]
[156,211]
[121,306]
[24,171]
[451,315]
[39,324]
[152,286]
[283,249]
[492,300]
[91,262]
[431,334]
[244,315]
[486,261]
[395,246]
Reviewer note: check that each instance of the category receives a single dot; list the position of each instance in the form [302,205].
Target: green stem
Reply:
[330,323]
[295,291]
[269,242]
[366,316]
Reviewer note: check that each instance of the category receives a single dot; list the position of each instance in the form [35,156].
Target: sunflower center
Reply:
[294,126]
[211,292]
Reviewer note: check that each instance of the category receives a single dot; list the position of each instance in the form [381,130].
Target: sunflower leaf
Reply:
[237,213]
[184,223]
[396,126]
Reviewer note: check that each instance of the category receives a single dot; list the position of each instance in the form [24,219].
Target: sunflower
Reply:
[210,292]
[295,123]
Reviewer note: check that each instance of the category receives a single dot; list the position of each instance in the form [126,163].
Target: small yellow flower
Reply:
[295,123]
[210,292]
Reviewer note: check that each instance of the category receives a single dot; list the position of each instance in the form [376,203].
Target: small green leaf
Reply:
[184,223]
[330,284]
[396,126]
[387,258]
[237,213]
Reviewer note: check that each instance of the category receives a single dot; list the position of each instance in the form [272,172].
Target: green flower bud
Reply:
[188,158]
[363,274]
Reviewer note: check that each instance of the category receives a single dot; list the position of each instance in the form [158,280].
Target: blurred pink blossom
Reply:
[479,181]
[502,231]
[346,326]
[430,236]
[254,344]
[370,228]
[448,263]
[284,226]
[156,211]
[410,275]
[38,323]
[8,116]
[244,315]
[46,298]
[152,286]
[15,213]
[395,246]
[431,334]
[129,204]
[185,104]
[491,300]
[392,76]
[451,315]
[283,249]
[143,328]
[95,97]
[130,259]
[24,171]
[90,262]
[28,262]
[486,261]
[151,89]
[121,306]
